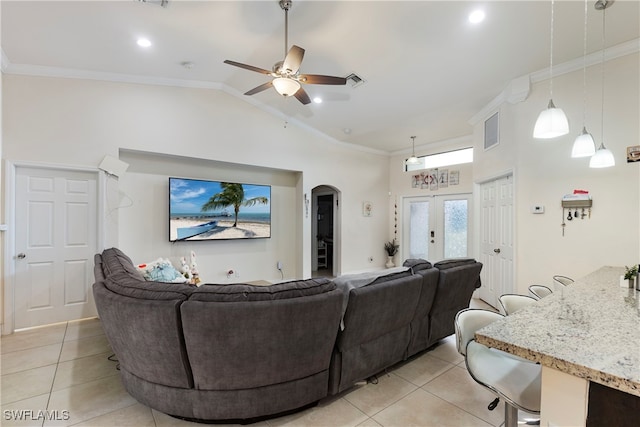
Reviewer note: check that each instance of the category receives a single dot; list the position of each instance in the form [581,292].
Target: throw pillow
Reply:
[161,270]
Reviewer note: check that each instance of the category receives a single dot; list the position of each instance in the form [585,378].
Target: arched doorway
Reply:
[325,231]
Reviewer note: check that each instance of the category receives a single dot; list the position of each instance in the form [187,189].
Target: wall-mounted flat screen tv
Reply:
[217,210]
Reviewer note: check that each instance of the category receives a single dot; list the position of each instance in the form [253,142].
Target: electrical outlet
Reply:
[279,265]
[370,259]
[230,273]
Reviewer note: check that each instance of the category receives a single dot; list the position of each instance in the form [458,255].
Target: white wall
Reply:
[78,122]
[544,171]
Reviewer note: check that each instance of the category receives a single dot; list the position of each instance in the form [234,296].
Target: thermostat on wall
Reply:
[537,209]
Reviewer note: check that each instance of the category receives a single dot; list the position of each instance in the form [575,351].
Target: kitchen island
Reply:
[587,332]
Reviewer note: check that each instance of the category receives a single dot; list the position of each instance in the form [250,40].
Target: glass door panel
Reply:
[418,237]
[455,236]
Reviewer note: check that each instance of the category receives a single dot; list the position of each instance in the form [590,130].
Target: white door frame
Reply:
[8,258]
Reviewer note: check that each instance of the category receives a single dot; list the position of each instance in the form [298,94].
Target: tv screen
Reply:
[216,210]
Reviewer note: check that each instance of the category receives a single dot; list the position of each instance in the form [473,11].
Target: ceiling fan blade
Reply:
[260,88]
[302,96]
[247,67]
[293,59]
[317,79]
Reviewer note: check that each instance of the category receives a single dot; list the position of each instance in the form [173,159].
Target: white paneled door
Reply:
[496,239]
[55,241]
[436,227]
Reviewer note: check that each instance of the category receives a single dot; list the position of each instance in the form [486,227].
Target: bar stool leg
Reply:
[510,415]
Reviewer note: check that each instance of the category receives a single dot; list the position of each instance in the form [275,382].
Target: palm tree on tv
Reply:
[232,195]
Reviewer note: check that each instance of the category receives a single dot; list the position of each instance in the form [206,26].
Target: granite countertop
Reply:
[589,329]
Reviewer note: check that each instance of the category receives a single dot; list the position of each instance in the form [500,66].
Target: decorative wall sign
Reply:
[434,179]
[367,207]
[443,178]
[633,154]
[454,177]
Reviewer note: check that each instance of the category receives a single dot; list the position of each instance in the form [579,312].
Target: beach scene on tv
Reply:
[212,210]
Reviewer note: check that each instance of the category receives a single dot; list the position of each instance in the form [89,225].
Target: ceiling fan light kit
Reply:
[286,76]
[285,86]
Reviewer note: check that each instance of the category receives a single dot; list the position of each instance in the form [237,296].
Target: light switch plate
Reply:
[537,209]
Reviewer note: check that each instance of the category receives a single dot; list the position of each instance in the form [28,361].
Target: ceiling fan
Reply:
[286,76]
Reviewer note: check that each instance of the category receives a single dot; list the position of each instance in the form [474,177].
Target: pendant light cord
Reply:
[584,66]
[604,11]
[551,55]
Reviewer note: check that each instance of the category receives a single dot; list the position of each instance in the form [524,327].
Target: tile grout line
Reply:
[453,404]
[55,373]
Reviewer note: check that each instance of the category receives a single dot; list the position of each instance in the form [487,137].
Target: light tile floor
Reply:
[62,372]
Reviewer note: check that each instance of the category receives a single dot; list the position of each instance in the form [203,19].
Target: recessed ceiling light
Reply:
[346,130]
[317,100]
[142,42]
[476,16]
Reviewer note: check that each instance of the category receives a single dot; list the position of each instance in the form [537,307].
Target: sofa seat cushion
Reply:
[246,292]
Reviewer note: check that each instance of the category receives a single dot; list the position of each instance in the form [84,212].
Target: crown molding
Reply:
[614,52]
[69,73]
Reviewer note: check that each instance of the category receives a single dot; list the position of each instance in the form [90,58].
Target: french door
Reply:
[436,227]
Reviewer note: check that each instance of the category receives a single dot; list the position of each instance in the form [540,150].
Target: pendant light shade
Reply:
[602,159]
[551,123]
[413,160]
[584,145]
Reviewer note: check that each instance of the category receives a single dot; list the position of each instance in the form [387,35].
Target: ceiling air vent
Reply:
[163,3]
[355,80]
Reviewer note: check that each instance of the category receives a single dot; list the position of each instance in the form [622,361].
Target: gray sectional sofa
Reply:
[242,352]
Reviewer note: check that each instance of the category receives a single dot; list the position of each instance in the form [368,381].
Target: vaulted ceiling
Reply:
[427,70]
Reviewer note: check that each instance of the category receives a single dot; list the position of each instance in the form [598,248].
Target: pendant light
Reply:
[603,158]
[584,146]
[413,160]
[551,122]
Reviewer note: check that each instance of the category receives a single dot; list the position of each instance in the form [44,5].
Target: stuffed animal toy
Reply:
[195,276]
[185,269]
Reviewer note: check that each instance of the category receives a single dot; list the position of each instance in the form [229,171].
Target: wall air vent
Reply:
[163,3]
[355,80]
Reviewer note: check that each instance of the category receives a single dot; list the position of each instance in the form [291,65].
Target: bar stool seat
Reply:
[516,381]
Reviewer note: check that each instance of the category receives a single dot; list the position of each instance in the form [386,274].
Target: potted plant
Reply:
[391,248]
[630,274]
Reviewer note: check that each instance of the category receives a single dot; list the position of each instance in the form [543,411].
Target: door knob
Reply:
[497,250]
[22,255]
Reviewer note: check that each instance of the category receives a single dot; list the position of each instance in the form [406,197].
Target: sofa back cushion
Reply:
[457,281]
[144,333]
[247,292]
[383,306]
[113,261]
[420,323]
[250,343]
